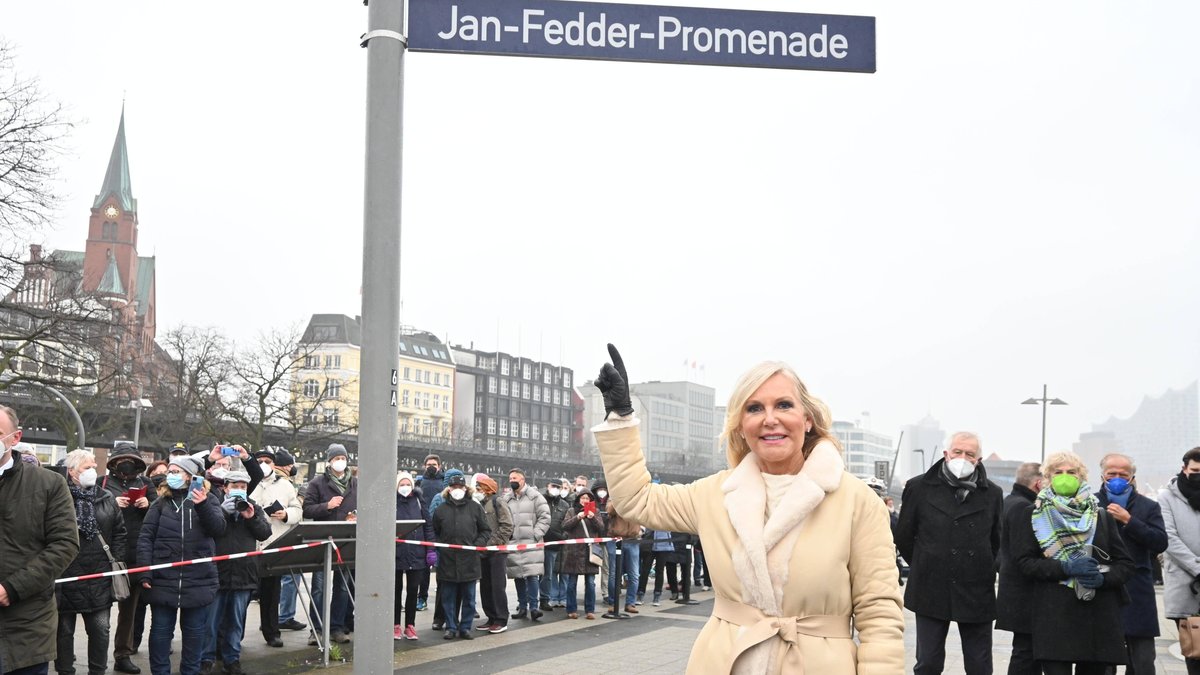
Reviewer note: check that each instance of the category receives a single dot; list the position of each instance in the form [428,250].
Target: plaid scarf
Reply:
[1065,526]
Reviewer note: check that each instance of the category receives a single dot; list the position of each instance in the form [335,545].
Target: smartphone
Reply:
[197,482]
[229,451]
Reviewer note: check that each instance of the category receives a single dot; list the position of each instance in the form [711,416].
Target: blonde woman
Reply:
[799,551]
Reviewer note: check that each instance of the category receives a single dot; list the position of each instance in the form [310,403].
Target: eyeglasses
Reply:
[176,472]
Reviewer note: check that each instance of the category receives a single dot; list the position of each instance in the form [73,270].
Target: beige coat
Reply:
[824,558]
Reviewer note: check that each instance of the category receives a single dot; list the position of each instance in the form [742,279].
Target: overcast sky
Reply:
[1011,200]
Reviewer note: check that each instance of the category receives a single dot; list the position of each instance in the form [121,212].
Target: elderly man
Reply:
[531,520]
[1140,522]
[949,532]
[278,498]
[1014,600]
[40,540]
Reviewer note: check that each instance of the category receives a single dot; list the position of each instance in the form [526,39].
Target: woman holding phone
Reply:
[181,525]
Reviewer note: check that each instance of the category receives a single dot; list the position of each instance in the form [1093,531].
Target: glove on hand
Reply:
[1091,579]
[1080,566]
[613,383]
[431,558]
[228,506]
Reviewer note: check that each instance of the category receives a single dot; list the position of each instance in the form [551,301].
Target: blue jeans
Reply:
[338,605]
[227,626]
[589,592]
[453,593]
[193,624]
[527,592]
[630,567]
[287,598]
[552,585]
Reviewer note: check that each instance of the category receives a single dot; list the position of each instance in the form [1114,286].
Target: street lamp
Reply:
[1044,401]
[138,404]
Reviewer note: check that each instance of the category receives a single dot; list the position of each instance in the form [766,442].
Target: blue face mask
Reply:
[237,493]
[176,481]
[1116,486]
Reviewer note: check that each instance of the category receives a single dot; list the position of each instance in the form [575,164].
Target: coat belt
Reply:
[759,627]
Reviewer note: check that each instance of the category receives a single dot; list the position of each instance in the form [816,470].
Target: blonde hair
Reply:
[736,447]
[1065,457]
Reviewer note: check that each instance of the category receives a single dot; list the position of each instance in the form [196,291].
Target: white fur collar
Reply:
[759,560]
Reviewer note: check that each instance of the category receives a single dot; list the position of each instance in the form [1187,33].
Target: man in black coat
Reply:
[459,520]
[1014,600]
[432,482]
[949,532]
[134,494]
[332,496]
[1140,524]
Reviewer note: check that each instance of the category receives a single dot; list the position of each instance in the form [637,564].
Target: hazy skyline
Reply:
[1009,201]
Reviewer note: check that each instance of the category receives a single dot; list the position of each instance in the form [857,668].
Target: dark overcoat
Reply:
[134,515]
[1066,628]
[460,522]
[1145,536]
[951,548]
[412,507]
[93,595]
[321,491]
[176,529]
[575,557]
[241,536]
[1014,599]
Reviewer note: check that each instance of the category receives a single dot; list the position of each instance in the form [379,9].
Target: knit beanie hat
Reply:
[188,464]
[336,449]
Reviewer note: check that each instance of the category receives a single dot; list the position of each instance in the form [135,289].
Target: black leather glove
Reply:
[613,383]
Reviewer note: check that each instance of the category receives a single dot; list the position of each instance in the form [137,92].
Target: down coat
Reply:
[823,560]
[94,594]
[531,521]
[242,535]
[177,528]
[459,522]
[38,539]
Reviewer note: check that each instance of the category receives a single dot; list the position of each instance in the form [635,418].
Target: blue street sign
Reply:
[596,30]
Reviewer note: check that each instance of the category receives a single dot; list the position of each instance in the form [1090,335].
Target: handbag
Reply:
[1189,637]
[120,582]
[593,557]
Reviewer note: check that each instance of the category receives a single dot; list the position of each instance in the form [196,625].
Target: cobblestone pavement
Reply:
[657,641]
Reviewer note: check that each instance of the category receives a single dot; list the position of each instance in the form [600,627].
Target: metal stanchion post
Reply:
[326,602]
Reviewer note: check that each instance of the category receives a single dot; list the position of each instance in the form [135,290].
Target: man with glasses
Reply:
[40,539]
[949,532]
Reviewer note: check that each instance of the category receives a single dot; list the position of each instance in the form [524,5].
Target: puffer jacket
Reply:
[134,516]
[558,513]
[241,535]
[38,540]
[176,529]
[531,520]
[412,507]
[460,522]
[94,594]
[277,488]
[575,558]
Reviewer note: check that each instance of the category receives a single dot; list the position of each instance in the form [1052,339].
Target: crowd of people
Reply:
[1074,557]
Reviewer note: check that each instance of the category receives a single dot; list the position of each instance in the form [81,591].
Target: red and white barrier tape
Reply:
[197,561]
[509,547]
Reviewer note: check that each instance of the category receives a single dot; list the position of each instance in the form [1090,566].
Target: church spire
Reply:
[116,178]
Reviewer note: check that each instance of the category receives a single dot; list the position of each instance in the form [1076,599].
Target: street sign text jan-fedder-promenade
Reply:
[595,30]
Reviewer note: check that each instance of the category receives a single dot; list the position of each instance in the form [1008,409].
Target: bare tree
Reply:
[187,399]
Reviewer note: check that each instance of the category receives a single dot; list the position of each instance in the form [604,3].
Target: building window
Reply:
[491,444]
[557,397]
[503,427]
[333,361]
[446,403]
[524,429]
[478,405]
[525,390]
[427,377]
[108,231]
[504,366]
[425,399]
[437,401]
[404,399]
[491,385]
[407,373]
[334,387]
[554,435]
[491,426]
[503,446]
[427,427]
[536,436]
[504,387]
[312,389]
[537,393]
[513,429]
[331,418]
[312,361]
[546,374]
[437,379]
[567,380]
[526,372]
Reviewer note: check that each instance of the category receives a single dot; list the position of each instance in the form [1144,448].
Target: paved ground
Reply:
[657,641]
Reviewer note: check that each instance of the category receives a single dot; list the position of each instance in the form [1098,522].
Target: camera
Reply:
[240,504]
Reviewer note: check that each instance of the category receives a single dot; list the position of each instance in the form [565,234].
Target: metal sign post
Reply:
[385,44]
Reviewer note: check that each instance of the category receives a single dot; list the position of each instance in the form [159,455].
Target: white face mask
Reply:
[458,493]
[88,478]
[960,467]
[554,492]
[478,496]
[338,465]
[219,472]
[578,488]
[267,469]
[601,494]
[405,490]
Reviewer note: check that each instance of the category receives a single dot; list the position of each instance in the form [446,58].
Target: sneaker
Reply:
[397,632]
[640,597]
[292,624]
[421,606]
[487,627]
[657,600]
[498,628]
[410,632]
[466,636]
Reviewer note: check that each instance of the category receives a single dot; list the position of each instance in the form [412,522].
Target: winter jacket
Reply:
[412,556]
[575,558]
[1144,536]
[460,522]
[430,488]
[177,528]
[241,535]
[531,520]
[277,488]
[38,540]
[1181,564]
[951,548]
[499,518]
[1066,628]
[558,513]
[321,491]
[134,516]
[94,594]
[825,551]
[1014,599]
[619,526]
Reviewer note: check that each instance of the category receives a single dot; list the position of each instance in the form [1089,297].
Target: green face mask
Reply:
[1064,484]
